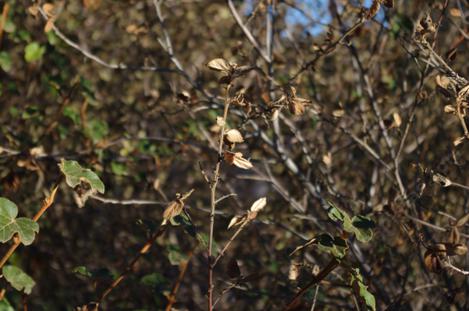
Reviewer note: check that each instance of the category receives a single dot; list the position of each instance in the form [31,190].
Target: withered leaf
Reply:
[219,64]
[173,209]
[237,159]
[462,221]
[258,205]
[234,136]
[235,221]
[388,3]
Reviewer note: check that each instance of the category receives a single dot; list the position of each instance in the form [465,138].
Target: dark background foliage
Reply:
[149,133]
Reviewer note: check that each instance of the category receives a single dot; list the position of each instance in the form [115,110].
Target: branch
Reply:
[247,32]
[143,250]
[97,59]
[45,205]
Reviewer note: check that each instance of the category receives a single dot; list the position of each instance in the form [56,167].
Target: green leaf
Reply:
[5,61]
[33,52]
[335,246]
[336,214]
[153,280]
[186,222]
[203,240]
[363,228]
[118,168]
[175,255]
[5,305]
[10,225]
[83,271]
[75,174]
[96,130]
[18,279]
[73,114]
[368,297]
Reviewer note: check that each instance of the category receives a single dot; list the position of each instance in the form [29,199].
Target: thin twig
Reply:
[316,279]
[93,57]
[227,245]
[213,203]
[247,32]
[143,250]
[183,268]
[127,202]
[45,205]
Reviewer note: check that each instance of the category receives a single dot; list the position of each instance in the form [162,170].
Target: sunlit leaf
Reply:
[75,174]
[10,225]
[33,52]
[18,279]
[369,298]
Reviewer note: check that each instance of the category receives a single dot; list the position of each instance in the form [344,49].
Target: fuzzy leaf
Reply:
[75,174]
[10,225]
[18,279]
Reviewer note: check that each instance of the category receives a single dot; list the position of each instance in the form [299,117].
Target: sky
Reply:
[316,9]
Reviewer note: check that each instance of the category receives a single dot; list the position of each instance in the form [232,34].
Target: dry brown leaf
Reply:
[241,162]
[33,10]
[234,136]
[173,209]
[327,159]
[397,119]
[459,140]
[49,9]
[338,113]
[219,64]
[450,109]
[235,221]
[294,271]
[297,106]
[49,25]
[220,121]
[258,205]
[462,221]
[455,12]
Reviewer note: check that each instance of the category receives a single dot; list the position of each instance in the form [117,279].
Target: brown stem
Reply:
[233,237]
[16,241]
[143,250]
[183,267]
[6,8]
[213,203]
[316,279]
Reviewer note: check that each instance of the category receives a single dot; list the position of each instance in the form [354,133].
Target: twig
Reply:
[315,297]
[435,227]
[143,250]
[449,265]
[183,268]
[247,32]
[227,245]
[127,202]
[213,203]
[316,279]
[6,8]
[93,57]
[45,205]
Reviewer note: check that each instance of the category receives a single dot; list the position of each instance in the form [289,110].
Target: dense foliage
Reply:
[234,155]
